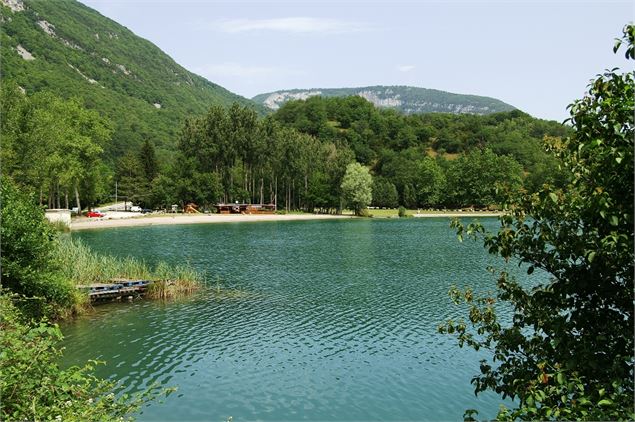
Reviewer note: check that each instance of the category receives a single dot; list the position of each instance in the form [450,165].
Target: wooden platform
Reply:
[118,289]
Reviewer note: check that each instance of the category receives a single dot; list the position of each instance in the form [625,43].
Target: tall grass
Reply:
[82,266]
[173,281]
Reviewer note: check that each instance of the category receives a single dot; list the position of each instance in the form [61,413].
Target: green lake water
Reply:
[336,320]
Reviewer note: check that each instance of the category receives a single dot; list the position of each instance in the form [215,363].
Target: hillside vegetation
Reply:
[433,159]
[73,51]
[165,136]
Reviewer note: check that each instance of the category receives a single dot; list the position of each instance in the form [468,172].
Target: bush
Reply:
[33,387]
[567,350]
[402,211]
[28,264]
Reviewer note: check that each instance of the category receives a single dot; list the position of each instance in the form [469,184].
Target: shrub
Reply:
[33,387]
[28,264]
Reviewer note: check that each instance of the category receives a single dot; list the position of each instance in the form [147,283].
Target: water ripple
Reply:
[338,322]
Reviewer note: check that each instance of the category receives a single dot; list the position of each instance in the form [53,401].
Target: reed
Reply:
[82,266]
[173,281]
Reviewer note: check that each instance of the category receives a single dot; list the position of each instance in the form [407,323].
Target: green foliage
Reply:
[410,151]
[82,266]
[357,187]
[148,160]
[430,182]
[28,264]
[230,155]
[33,386]
[402,212]
[129,74]
[52,146]
[384,193]
[567,352]
[478,177]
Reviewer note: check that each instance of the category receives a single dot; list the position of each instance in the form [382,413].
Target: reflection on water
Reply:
[324,320]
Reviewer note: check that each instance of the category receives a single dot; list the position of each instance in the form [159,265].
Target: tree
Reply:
[28,263]
[51,145]
[567,352]
[357,187]
[131,182]
[476,178]
[430,182]
[409,198]
[385,193]
[148,161]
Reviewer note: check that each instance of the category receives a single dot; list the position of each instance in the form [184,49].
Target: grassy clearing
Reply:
[82,266]
[391,212]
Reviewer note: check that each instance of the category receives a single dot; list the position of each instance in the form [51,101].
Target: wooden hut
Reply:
[246,208]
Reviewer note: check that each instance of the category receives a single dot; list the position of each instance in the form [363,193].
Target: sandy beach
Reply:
[168,219]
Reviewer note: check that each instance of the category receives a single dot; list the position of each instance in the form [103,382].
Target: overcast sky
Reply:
[535,55]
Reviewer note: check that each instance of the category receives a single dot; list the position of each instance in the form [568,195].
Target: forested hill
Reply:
[73,51]
[408,99]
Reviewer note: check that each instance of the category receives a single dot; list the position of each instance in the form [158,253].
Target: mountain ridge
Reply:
[405,98]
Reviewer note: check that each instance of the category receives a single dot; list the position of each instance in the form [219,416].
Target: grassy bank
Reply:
[82,266]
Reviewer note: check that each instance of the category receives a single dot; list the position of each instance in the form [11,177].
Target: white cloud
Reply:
[292,24]
[405,68]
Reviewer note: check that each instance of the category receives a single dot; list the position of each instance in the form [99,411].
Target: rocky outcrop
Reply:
[407,99]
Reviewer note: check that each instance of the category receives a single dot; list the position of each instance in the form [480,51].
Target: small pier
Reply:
[118,289]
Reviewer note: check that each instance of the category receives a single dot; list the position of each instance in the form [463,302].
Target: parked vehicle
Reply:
[135,208]
[94,214]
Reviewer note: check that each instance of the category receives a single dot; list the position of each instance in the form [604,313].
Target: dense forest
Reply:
[71,50]
[295,158]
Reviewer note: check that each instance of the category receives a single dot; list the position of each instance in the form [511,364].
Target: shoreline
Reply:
[177,219]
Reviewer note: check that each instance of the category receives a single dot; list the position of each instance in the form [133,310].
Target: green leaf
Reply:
[614,220]
[560,378]
[553,197]
[605,402]
[591,256]
[530,401]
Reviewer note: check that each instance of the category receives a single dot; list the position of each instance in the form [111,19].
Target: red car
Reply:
[94,214]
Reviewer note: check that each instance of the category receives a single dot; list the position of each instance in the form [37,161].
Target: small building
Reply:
[246,208]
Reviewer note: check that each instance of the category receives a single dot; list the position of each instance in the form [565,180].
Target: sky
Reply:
[538,55]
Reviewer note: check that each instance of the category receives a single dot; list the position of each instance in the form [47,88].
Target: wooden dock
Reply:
[118,289]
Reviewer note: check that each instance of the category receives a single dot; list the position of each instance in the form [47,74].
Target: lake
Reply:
[315,320]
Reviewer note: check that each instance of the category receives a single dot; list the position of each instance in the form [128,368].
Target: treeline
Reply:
[54,147]
[231,155]
[295,158]
[428,155]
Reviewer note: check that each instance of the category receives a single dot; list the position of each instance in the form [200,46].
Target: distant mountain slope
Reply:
[72,50]
[407,99]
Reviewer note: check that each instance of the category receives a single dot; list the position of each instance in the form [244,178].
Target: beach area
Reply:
[114,220]
[173,219]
